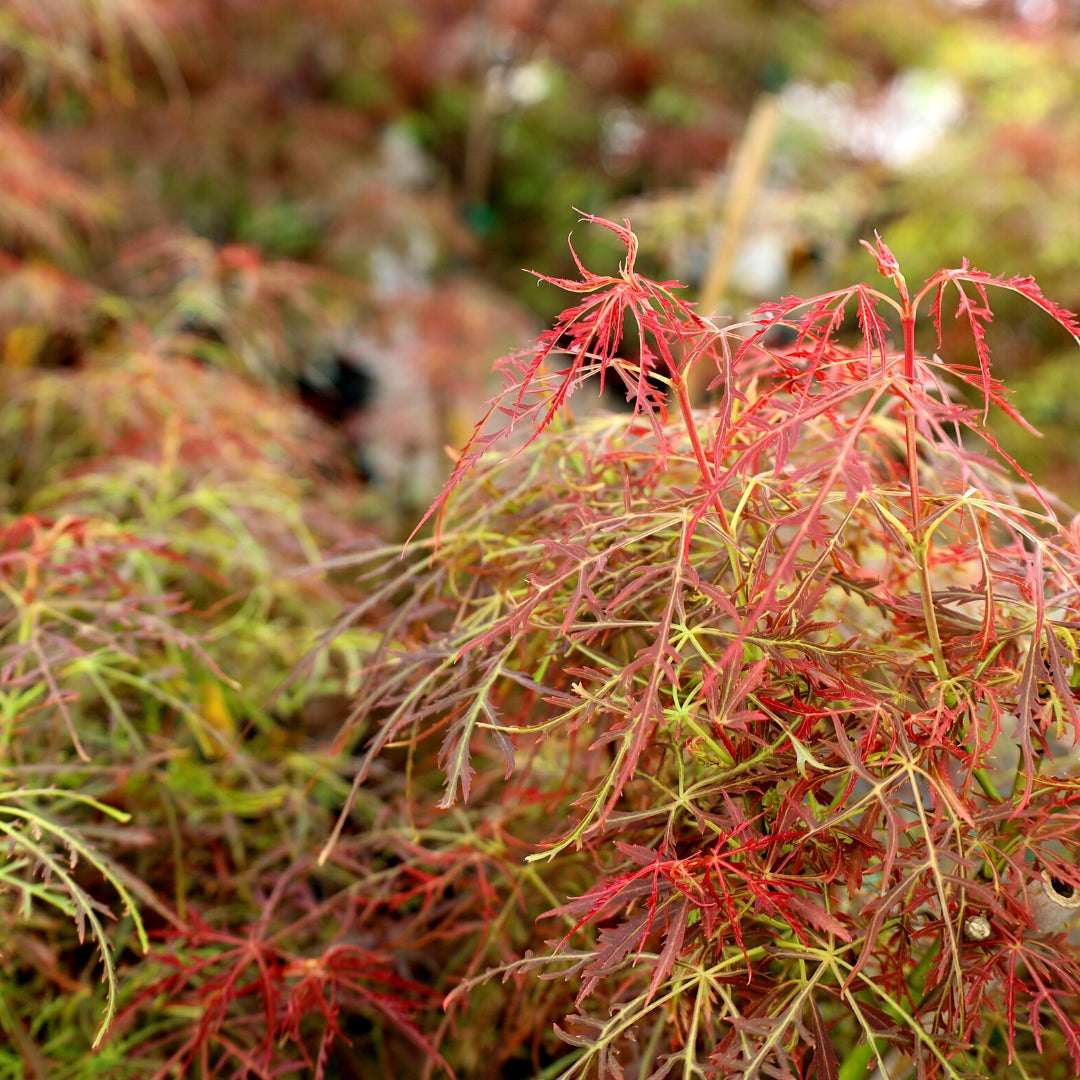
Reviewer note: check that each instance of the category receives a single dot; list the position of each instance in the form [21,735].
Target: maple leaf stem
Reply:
[922,555]
[682,394]
[985,781]
[910,435]
[925,539]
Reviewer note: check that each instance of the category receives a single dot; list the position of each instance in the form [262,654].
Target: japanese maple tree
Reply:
[780,695]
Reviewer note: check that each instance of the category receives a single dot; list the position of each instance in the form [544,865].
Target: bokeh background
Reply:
[295,192]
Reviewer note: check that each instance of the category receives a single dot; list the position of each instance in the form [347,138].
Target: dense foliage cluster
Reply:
[793,683]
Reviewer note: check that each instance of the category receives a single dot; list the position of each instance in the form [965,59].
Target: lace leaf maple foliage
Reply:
[792,678]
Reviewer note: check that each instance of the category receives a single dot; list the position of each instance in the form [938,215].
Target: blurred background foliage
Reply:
[362,155]
[256,260]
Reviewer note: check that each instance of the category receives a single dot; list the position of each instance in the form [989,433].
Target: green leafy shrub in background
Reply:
[155,780]
[781,698]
